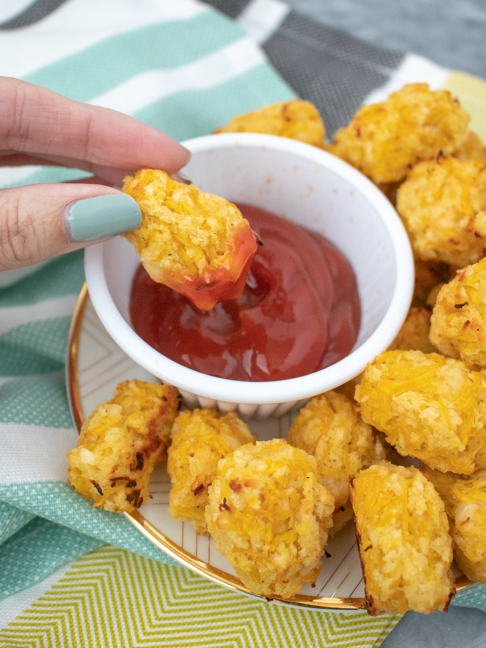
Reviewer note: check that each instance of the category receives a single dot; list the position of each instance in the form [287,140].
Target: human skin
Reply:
[40,127]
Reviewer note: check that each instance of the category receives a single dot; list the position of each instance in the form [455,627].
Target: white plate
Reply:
[95,366]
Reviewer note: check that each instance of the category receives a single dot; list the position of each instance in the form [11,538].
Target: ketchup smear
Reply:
[299,311]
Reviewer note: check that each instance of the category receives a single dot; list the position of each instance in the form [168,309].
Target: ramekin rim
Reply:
[292,389]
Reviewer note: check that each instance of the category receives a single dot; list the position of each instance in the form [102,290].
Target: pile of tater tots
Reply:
[271,506]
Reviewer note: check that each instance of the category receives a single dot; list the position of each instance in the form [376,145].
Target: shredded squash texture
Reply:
[119,444]
[295,119]
[414,334]
[458,324]
[270,517]
[471,148]
[199,440]
[386,139]
[330,429]
[429,407]
[465,504]
[196,243]
[404,541]
[443,206]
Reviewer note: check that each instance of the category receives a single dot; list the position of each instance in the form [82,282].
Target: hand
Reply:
[38,126]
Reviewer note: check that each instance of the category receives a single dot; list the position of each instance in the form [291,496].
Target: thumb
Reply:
[38,222]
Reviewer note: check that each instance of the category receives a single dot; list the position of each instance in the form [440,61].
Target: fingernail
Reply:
[189,154]
[101,217]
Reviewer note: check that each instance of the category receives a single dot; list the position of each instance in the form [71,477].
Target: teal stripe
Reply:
[474,596]
[198,112]
[58,502]
[192,113]
[46,174]
[105,65]
[36,551]
[35,401]
[35,347]
[12,519]
[60,277]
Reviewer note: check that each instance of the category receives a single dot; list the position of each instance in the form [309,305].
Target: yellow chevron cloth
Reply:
[113,598]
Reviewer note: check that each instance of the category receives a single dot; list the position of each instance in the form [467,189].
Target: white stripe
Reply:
[209,71]
[9,9]
[50,375]
[40,453]
[413,69]
[139,91]
[12,606]
[17,315]
[9,277]
[261,18]
[79,24]
[12,175]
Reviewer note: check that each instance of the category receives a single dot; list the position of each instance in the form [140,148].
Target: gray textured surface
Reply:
[329,67]
[450,32]
[458,628]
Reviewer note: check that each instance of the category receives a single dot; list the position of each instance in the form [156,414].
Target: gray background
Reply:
[450,32]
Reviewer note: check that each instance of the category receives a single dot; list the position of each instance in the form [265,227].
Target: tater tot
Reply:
[429,407]
[404,541]
[432,296]
[389,189]
[196,243]
[442,204]
[297,119]
[119,444]
[458,323]
[330,429]
[386,139]
[199,440]
[348,388]
[270,517]
[335,149]
[465,504]
[414,334]
[472,148]
[428,275]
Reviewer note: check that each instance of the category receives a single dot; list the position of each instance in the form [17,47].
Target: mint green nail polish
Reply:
[102,217]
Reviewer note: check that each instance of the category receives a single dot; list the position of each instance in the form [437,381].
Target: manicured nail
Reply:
[101,217]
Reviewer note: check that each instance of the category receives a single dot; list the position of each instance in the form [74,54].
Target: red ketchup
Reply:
[299,311]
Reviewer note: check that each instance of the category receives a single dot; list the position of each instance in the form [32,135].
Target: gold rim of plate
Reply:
[157,537]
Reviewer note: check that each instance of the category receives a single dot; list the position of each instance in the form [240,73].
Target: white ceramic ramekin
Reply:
[312,188]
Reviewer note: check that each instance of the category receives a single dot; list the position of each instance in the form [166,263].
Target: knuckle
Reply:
[12,105]
[17,244]
[32,117]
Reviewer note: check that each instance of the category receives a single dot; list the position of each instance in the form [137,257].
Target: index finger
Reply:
[37,120]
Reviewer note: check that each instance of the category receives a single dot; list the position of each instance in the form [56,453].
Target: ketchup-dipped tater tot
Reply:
[196,243]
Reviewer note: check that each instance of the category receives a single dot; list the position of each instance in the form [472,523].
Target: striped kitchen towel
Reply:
[185,68]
